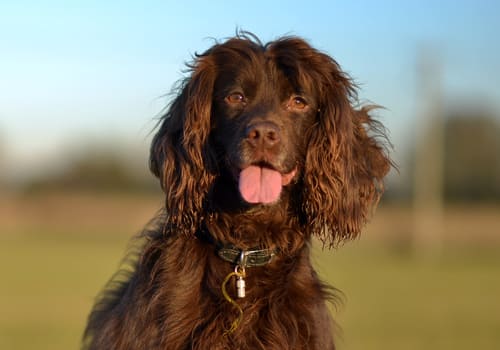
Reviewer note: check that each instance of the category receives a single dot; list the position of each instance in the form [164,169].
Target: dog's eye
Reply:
[235,98]
[298,103]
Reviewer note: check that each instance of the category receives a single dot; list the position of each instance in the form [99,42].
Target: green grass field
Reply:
[52,268]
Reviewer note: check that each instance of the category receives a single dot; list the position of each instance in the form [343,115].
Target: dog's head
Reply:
[276,122]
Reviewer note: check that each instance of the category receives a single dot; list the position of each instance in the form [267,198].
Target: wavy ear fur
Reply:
[180,154]
[346,159]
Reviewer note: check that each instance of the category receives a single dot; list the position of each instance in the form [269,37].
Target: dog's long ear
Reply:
[346,159]
[180,152]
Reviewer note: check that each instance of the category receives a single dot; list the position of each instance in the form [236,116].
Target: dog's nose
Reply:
[266,134]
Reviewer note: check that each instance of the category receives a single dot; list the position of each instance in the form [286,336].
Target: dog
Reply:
[262,148]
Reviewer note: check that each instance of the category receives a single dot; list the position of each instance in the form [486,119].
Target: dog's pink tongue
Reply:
[260,185]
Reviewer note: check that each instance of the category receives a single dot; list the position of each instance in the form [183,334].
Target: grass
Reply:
[47,288]
[394,301]
[52,269]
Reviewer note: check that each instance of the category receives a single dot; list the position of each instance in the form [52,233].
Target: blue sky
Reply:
[74,73]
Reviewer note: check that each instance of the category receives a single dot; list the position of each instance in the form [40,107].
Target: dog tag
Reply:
[240,287]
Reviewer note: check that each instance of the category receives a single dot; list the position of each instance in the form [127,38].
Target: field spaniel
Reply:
[261,149]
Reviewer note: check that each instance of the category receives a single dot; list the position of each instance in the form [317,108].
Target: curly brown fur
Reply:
[283,109]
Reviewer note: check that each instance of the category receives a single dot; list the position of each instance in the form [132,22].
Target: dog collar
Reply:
[246,258]
[253,257]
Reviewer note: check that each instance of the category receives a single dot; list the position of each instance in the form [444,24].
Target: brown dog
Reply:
[260,151]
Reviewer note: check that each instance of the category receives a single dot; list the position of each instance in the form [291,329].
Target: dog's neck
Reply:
[263,228]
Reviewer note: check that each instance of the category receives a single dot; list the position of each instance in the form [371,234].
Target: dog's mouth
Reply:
[261,183]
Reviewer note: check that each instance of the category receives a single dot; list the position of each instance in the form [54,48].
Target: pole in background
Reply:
[428,175]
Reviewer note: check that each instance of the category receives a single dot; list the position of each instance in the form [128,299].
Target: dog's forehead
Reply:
[250,67]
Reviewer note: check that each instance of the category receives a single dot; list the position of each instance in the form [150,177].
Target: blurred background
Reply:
[83,83]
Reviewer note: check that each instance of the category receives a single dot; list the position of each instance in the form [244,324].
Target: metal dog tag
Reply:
[240,287]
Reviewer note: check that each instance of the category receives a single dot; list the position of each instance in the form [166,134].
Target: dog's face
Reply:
[260,119]
[253,119]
